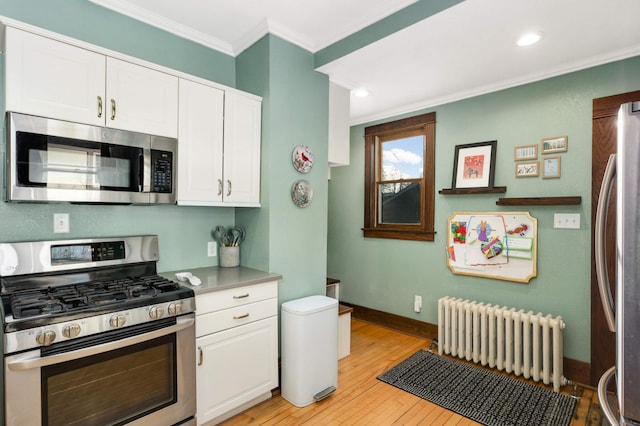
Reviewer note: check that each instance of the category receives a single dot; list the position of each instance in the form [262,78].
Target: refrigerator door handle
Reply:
[602,272]
[603,383]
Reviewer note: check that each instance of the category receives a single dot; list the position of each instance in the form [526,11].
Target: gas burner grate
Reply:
[78,297]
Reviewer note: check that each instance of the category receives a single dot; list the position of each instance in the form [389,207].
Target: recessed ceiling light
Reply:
[529,38]
[361,93]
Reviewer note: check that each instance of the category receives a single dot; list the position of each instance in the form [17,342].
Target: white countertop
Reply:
[215,278]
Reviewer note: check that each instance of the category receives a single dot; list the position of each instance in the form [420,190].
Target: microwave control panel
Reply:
[161,171]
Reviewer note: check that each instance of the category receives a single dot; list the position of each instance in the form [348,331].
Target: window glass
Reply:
[399,179]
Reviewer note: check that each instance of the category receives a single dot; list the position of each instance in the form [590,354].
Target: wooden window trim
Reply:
[372,229]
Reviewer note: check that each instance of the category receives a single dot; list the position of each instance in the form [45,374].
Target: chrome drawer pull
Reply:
[242,296]
[201,360]
[229,187]
[99,106]
[241,316]
[113,109]
[219,186]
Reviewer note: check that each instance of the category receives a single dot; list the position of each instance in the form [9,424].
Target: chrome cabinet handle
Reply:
[241,316]
[242,296]
[228,187]
[201,356]
[99,106]
[219,186]
[113,109]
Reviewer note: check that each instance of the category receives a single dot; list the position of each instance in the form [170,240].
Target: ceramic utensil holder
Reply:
[229,256]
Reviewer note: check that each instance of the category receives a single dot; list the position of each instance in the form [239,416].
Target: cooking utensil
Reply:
[238,234]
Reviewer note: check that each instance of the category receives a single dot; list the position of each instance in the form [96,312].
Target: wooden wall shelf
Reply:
[494,190]
[539,201]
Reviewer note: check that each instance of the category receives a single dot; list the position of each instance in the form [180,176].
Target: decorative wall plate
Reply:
[302,158]
[301,193]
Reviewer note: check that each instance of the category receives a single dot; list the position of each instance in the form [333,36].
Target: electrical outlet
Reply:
[211,249]
[417,303]
[60,222]
[566,220]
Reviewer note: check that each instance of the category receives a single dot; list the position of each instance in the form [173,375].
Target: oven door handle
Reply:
[26,364]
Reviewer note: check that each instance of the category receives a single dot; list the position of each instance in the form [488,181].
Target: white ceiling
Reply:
[466,50]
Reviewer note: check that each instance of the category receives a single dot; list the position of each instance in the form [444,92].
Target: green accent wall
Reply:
[295,111]
[386,274]
[83,20]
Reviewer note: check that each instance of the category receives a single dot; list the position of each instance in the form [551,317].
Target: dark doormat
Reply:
[479,394]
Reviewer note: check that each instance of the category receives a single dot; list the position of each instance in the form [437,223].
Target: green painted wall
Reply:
[386,274]
[295,111]
[83,20]
[183,231]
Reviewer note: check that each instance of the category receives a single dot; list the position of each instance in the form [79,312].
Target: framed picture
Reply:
[555,144]
[529,169]
[525,152]
[551,167]
[474,165]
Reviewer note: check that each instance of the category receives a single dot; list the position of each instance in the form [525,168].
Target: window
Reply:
[399,179]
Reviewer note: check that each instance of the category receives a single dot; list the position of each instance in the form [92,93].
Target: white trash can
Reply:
[309,349]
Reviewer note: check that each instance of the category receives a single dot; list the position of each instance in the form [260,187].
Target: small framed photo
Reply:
[525,152]
[551,167]
[555,144]
[528,169]
[474,165]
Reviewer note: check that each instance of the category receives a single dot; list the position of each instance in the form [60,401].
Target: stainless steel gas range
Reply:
[92,335]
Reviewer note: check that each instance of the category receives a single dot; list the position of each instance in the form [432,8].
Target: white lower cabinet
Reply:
[236,350]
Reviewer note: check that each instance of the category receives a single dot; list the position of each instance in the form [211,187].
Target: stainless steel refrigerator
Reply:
[623,316]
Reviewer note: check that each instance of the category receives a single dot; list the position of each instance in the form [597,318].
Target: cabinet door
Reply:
[141,99]
[242,120]
[235,366]
[53,79]
[200,126]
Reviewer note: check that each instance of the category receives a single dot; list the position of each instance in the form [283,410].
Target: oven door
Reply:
[139,376]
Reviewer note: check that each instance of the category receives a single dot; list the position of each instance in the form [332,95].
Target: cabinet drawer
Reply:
[233,317]
[225,299]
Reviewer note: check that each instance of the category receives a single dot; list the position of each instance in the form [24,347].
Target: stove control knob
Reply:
[175,308]
[117,320]
[70,331]
[46,337]
[156,312]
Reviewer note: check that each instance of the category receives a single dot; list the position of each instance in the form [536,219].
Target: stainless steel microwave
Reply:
[51,160]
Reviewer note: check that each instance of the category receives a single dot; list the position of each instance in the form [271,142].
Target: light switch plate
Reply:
[212,249]
[60,222]
[566,220]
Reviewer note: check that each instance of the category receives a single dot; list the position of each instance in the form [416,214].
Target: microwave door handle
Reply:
[39,362]
[140,172]
[145,171]
[602,273]
[603,384]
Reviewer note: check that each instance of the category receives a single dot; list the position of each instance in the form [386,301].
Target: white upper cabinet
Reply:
[200,138]
[219,147]
[54,79]
[242,133]
[339,104]
[141,99]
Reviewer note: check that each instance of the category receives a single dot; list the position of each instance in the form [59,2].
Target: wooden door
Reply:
[605,111]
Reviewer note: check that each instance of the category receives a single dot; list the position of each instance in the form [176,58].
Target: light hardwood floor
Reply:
[362,399]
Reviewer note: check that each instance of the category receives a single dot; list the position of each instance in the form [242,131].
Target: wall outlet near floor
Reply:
[566,220]
[417,303]
[60,222]
[212,249]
